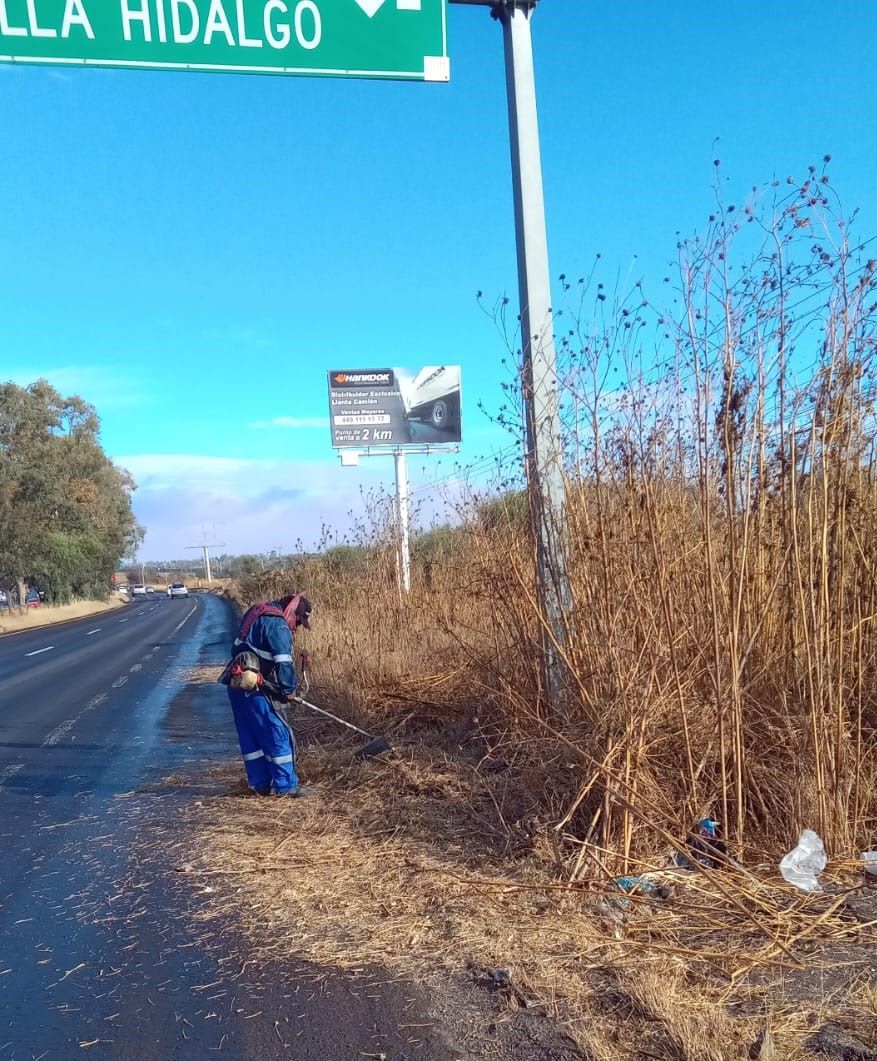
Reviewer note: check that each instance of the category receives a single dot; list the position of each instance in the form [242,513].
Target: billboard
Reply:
[394,407]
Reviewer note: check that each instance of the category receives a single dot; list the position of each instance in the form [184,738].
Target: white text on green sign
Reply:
[356,38]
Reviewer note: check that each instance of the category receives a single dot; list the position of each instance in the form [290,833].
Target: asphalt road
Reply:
[101,953]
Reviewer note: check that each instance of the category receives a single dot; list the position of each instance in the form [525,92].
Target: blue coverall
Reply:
[267,743]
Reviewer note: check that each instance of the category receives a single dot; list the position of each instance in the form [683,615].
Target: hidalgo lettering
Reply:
[222,21]
[250,24]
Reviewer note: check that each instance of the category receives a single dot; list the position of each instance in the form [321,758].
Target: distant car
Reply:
[150,589]
[3,598]
[138,591]
[33,598]
[178,589]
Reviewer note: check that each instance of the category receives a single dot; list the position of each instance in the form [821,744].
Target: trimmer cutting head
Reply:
[373,748]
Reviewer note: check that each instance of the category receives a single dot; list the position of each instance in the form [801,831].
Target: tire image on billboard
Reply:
[434,398]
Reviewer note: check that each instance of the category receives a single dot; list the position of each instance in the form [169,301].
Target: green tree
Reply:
[65,508]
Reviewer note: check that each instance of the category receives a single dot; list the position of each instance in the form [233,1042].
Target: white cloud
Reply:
[251,506]
[321,422]
[254,506]
[100,386]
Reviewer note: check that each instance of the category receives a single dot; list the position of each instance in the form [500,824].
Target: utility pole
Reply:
[204,547]
[544,449]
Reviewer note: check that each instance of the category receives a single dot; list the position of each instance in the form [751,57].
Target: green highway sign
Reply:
[404,39]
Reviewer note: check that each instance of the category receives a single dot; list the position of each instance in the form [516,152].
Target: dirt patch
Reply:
[17,620]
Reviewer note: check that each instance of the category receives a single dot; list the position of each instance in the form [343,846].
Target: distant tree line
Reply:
[65,508]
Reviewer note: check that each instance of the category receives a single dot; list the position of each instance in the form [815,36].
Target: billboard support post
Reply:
[544,458]
[402,509]
[403,519]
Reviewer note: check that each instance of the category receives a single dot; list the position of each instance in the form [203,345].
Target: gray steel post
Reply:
[404,520]
[544,458]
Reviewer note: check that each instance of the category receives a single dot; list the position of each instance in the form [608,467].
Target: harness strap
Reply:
[255,613]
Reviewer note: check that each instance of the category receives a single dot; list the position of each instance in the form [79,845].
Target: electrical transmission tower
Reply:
[205,548]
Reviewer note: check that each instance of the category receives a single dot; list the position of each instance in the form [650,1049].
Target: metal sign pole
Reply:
[403,519]
[544,459]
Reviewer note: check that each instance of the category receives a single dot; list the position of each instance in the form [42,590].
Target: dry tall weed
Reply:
[722,508]
[721,651]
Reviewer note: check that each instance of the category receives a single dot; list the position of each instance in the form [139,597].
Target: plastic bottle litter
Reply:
[870,860]
[803,864]
[704,843]
[642,886]
[637,884]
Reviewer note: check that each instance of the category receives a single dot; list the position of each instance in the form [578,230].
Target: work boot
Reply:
[302,792]
[262,790]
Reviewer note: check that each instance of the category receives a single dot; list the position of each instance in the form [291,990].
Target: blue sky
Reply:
[192,252]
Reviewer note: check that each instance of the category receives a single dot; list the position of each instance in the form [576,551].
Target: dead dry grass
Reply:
[428,861]
[719,658]
[48,614]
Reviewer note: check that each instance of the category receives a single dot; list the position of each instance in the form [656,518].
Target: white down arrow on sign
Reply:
[372,7]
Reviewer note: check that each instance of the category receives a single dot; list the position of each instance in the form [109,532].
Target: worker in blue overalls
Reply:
[262,670]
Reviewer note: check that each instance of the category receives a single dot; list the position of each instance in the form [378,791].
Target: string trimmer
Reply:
[375,746]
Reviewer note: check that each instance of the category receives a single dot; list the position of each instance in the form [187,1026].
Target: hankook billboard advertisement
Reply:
[394,407]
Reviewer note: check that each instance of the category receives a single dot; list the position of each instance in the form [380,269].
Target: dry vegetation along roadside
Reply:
[720,654]
[16,619]
[434,863]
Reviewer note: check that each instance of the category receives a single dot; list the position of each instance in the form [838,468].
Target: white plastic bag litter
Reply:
[803,864]
[870,860]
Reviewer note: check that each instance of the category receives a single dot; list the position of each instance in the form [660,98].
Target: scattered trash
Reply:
[870,860]
[642,886]
[706,847]
[763,1049]
[705,844]
[501,979]
[613,911]
[186,867]
[803,864]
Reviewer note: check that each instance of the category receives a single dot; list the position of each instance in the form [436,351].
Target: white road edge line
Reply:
[65,727]
[39,650]
[184,619]
[58,732]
